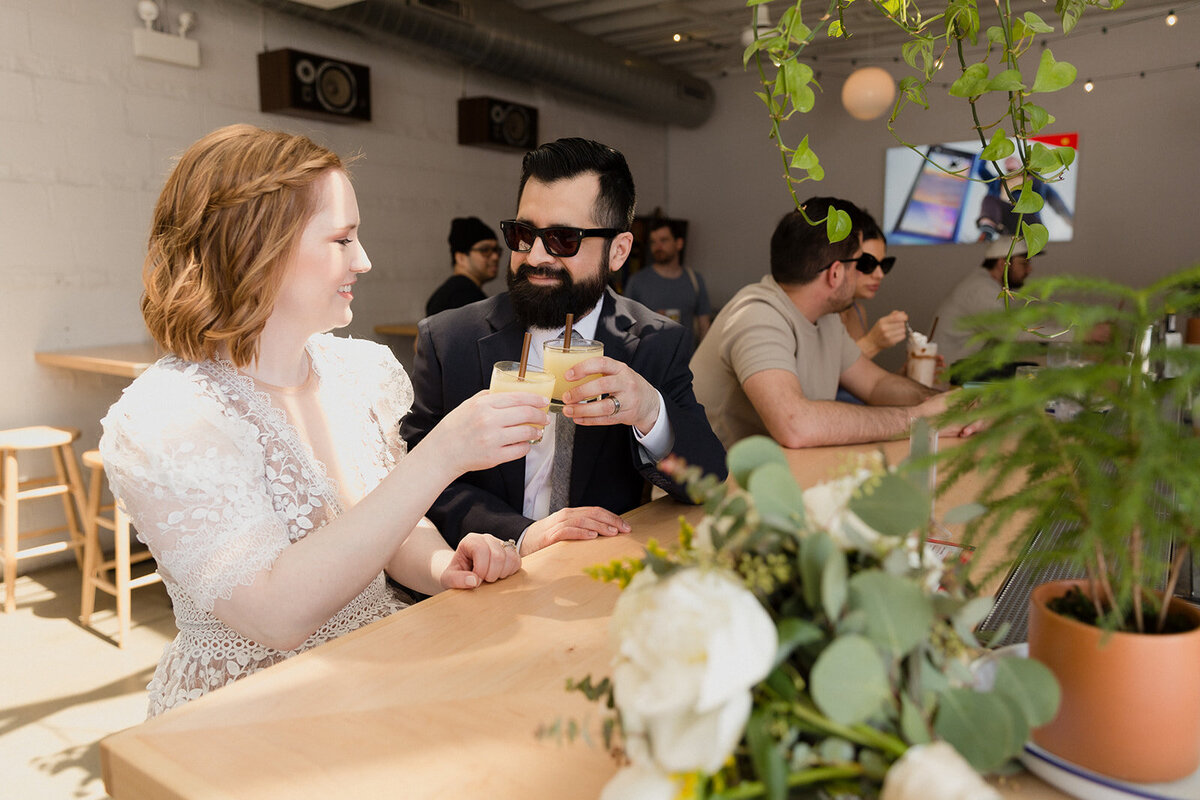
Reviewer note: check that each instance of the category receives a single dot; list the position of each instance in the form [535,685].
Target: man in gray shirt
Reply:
[668,287]
[774,358]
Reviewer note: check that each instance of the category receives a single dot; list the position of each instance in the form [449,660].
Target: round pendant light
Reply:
[868,92]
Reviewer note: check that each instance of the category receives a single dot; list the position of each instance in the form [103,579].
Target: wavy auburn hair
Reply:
[225,225]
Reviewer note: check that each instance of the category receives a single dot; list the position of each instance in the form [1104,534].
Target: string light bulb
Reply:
[1088,85]
[1171,18]
[677,38]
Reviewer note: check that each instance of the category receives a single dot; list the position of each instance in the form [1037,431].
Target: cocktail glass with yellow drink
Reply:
[557,358]
[506,377]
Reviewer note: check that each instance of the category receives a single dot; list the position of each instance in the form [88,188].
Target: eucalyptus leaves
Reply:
[867,659]
[990,78]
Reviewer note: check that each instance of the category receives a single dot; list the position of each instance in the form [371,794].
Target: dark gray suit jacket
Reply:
[455,353]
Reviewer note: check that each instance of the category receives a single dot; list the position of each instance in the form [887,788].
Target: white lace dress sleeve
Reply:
[217,483]
[192,479]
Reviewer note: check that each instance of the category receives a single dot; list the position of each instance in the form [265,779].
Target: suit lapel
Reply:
[613,329]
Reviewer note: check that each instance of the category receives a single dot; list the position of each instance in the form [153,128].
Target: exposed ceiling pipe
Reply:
[496,36]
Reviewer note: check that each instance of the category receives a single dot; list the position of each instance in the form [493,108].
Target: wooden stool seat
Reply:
[37,437]
[64,483]
[95,567]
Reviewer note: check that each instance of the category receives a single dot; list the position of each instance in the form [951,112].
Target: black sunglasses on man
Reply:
[559,241]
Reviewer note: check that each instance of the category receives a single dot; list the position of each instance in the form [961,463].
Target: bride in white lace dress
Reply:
[260,461]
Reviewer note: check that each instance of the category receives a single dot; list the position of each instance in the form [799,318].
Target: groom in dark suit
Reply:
[575,210]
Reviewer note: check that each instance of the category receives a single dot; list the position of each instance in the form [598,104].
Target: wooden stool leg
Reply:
[67,472]
[91,549]
[9,524]
[121,539]
[79,493]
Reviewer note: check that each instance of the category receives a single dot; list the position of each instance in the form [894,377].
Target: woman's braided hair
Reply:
[225,225]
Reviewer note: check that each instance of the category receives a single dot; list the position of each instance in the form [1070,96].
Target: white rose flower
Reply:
[826,505]
[689,648]
[935,772]
[640,782]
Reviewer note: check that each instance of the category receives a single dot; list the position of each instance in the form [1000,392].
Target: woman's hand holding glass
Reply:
[490,428]
[507,377]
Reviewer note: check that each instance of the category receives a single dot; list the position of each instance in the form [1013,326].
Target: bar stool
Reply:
[95,567]
[64,483]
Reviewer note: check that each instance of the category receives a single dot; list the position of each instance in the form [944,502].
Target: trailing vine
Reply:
[995,71]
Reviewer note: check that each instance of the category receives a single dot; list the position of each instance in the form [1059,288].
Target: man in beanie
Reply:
[475,259]
[979,292]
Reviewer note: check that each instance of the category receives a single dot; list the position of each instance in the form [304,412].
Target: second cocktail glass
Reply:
[557,359]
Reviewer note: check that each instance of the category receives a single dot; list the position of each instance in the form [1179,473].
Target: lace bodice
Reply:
[217,483]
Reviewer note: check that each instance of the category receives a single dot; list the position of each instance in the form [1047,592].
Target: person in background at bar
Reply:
[574,212]
[259,459]
[667,286]
[979,291]
[475,259]
[775,355]
[982,291]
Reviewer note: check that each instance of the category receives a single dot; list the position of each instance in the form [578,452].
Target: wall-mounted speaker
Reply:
[496,123]
[307,85]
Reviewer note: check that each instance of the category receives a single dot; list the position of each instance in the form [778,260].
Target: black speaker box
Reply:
[496,123]
[307,85]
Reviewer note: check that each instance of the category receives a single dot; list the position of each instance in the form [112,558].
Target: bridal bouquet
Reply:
[805,644]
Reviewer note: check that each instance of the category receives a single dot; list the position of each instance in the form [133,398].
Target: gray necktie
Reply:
[560,467]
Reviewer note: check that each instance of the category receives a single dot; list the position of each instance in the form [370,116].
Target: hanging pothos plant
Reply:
[1002,95]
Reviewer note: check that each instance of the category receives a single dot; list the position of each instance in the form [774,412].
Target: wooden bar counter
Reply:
[438,701]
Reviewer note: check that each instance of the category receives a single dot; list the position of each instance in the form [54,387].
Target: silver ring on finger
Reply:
[511,544]
[616,405]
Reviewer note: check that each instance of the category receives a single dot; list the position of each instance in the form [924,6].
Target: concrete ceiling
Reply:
[710,31]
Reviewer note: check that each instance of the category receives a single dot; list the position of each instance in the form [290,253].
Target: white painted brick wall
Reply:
[88,132]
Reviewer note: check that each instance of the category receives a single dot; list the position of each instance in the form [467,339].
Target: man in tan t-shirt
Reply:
[774,356]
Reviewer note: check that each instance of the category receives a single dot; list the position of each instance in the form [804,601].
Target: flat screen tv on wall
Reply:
[946,194]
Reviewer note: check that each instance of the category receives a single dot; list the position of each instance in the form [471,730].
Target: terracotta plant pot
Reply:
[1130,702]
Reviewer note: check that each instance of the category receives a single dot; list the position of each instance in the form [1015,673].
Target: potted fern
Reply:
[1115,468]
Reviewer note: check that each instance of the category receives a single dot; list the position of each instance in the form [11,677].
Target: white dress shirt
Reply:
[655,445]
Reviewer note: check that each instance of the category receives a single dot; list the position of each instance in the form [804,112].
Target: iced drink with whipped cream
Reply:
[922,358]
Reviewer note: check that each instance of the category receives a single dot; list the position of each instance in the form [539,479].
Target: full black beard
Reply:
[547,307]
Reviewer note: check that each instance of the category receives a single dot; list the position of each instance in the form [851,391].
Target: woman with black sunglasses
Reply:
[873,265]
